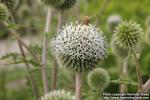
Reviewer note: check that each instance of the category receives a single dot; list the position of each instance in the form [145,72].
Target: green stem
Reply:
[44,51]
[78,86]
[55,65]
[123,74]
[138,70]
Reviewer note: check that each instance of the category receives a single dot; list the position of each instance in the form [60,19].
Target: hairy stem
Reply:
[78,86]
[31,77]
[138,70]
[44,51]
[14,33]
[123,74]
[55,65]
[23,44]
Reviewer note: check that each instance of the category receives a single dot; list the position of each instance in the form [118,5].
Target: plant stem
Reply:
[146,87]
[55,66]
[44,51]
[54,75]
[138,70]
[23,44]
[123,74]
[3,76]
[31,77]
[78,86]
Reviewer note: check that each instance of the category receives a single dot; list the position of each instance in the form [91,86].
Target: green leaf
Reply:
[9,55]
[124,82]
[14,26]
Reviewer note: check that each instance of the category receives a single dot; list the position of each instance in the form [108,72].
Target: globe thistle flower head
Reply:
[98,79]
[119,52]
[80,46]
[113,21]
[53,3]
[58,95]
[66,5]
[127,34]
[11,4]
[3,12]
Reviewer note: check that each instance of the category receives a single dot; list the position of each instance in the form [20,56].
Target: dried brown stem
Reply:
[31,77]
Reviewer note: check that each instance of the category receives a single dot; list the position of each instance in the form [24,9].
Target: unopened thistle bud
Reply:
[80,46]
[58,95]
[11,4]
[3,12]
[128,34]
[98,79]
[52,2]
[66,5]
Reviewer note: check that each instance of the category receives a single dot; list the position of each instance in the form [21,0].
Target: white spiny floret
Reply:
[85,45]
[58,95]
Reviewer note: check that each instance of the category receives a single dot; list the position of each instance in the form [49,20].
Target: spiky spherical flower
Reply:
[58,95]
[113,21]
[11,4]
[119,52]
[80,47]
[98,79]
[147,36]
[52,2]
[3,12]
[66,5]
[128,34]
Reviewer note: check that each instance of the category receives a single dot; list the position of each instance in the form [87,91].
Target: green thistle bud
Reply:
[58,95]
[66,5]
[11,4]
[3,12]
[52,2]
[128,34]
[119,52]
[80,47]
[147,36]
[98,79]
